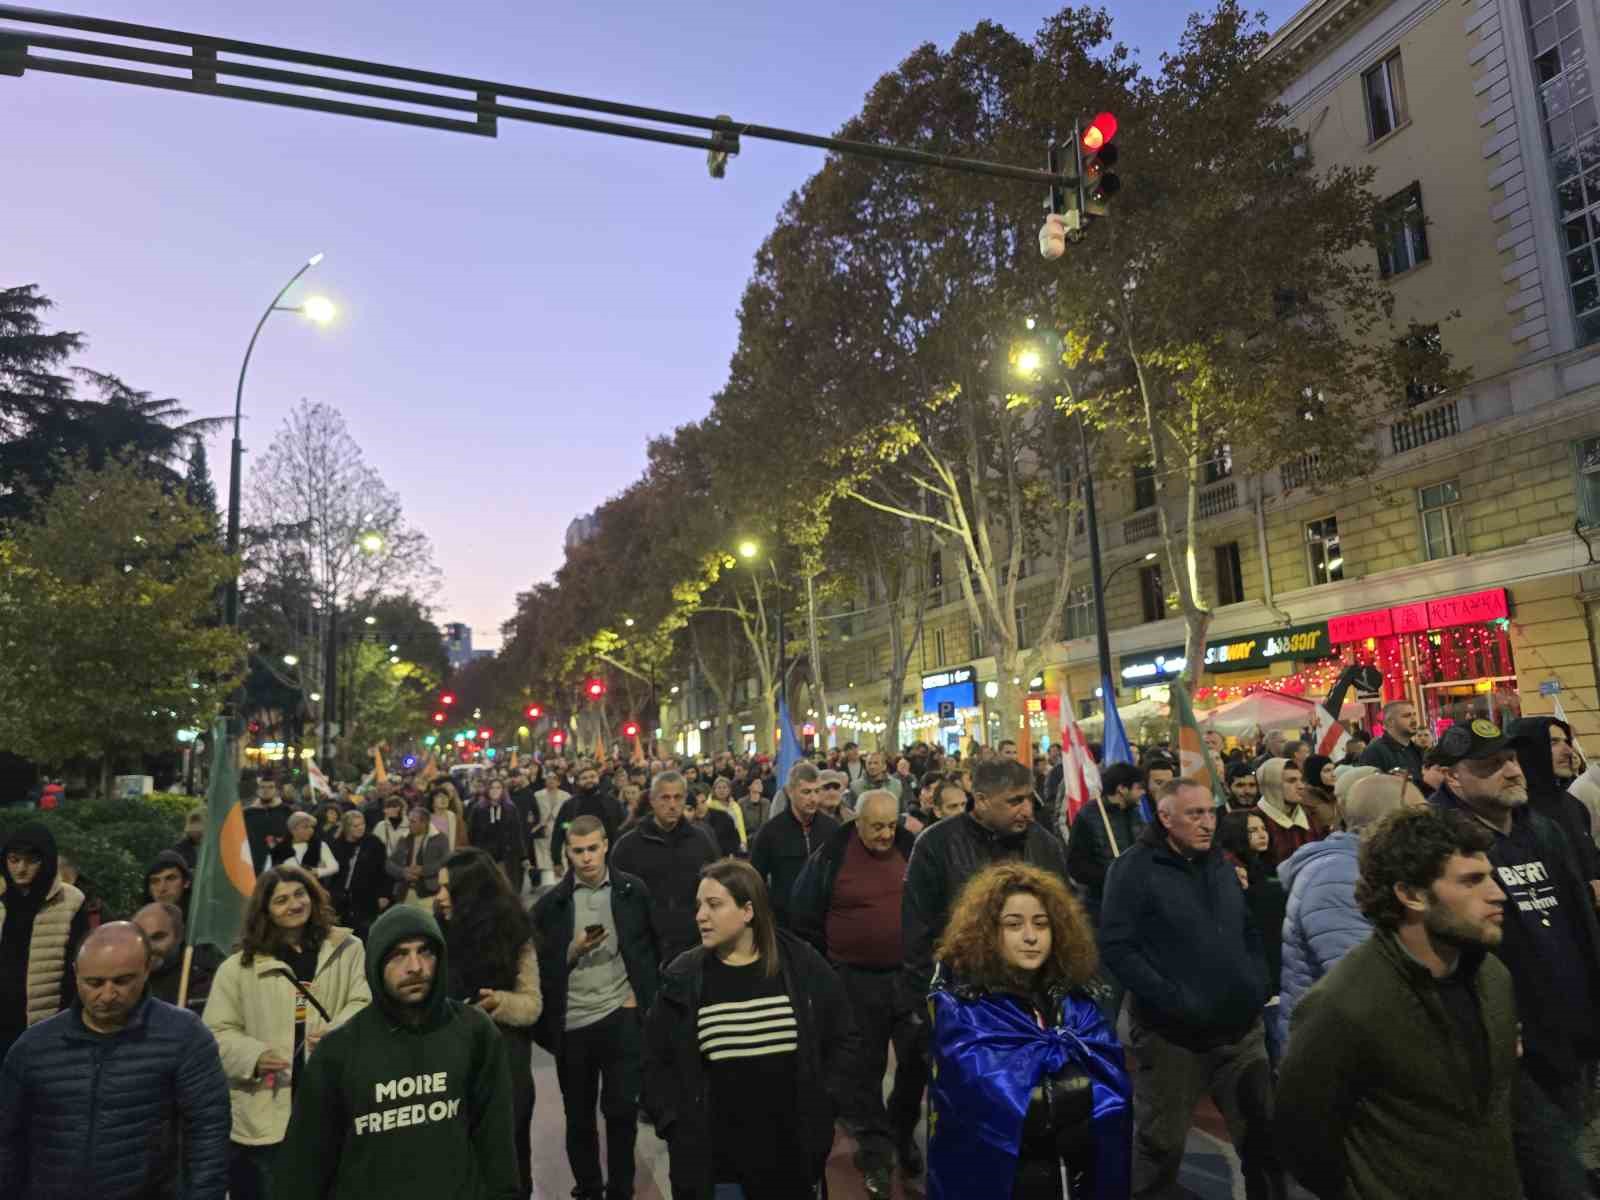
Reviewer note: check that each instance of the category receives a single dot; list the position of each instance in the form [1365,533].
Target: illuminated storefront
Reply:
[1451,657]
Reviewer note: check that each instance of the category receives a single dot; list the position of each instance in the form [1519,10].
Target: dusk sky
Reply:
[519,314]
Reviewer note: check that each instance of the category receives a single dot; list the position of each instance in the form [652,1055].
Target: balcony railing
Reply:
[1299,472]
[1218,498]
[1145,525]
[1427,425]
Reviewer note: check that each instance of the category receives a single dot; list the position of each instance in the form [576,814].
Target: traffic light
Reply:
[430,740]
[557,738]
[534,712]
[447,699]
[485,734]
[631,729]
[1097,160]
[438,718]
[594,689]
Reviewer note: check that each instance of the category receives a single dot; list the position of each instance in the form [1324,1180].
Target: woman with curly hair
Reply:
[1027,1076]
[296,975]
[493,965]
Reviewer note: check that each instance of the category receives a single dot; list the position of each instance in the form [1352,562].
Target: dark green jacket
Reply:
[389,1108]
[1376,1099]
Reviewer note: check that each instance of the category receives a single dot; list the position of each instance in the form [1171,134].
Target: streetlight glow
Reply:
[371,542]
[1149,556]
[628,621]
[1028,362]
[749,549]
[314,259]
[319,309]
[315,697]
[394,658]
[372,620]
[290,660]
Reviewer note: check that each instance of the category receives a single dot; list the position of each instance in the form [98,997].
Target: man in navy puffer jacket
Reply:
[120,1097]
[1323,923]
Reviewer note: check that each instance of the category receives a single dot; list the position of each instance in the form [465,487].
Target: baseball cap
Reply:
[1478,738]
[838,777]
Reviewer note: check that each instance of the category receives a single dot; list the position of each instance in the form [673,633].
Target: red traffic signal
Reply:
[485,734]
[1100,132]
[557,737]
[594,689]
[438,718]
[631,729]
[533,712]
[447,698]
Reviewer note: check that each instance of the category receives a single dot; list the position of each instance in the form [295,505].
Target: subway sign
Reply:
[1252,651]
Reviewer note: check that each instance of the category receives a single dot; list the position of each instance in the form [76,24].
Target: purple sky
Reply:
[519,314]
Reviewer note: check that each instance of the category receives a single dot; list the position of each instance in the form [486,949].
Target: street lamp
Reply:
[748,550]
[1148,556]
[371,543]
[290,660]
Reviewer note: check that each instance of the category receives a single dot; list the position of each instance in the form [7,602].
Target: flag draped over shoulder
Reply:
[224,876]
[1194,756]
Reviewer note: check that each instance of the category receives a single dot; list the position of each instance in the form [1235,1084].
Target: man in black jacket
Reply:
[666,851]
[789,837]
[1551,946]
[597,973]
[846,903]
[1104,830]
[1177,934]
[1000,827]
[587,801]
[1544,751]
[1395,750]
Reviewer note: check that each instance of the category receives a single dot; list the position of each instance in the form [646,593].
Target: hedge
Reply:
[112,841]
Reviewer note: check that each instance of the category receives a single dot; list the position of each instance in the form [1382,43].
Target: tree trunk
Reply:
[820,698]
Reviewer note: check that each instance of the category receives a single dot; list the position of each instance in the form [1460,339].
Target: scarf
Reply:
[988,1056]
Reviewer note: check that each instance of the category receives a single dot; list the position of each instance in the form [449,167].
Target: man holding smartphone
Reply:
[597,972]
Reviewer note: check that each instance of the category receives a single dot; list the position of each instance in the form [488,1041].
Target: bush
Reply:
[112,841]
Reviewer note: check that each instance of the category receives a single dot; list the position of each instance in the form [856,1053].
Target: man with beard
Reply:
[163,927]
[587,801]
[1398,1080]
[1551,947]
[1544,751]
[1243,790]
[266,822]
[1395,749]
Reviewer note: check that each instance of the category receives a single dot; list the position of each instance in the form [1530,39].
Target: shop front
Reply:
[1243,658]
[1451,657]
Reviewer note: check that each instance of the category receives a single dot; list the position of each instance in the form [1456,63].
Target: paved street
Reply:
[1208,1168]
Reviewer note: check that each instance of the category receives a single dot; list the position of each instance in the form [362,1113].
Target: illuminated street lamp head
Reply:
[394,658]
[628,621]
[1149,556]
[315,697]
[371,542]
[1028,362]
[314,259]
[319,309]
[372,620]
[749,549]
[291,660]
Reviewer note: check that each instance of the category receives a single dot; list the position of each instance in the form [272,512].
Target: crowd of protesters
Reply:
[1382,969]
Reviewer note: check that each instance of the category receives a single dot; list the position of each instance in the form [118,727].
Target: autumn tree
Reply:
[105,647]
[1229,313]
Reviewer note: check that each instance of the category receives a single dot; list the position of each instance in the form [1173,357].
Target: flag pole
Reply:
[183,979]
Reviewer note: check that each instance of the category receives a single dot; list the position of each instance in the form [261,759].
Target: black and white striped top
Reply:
[747,1028]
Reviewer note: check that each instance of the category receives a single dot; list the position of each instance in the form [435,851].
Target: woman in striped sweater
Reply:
[745,1050]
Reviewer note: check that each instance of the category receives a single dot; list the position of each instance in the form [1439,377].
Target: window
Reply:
[935,571]
[1385,88]
[1424,351]
[872,588]
[1440,506]
[1144,487]
[938,648]
[1219,465]
[1323,555]
[1566,102]
[1230,579]
[1587,454]
[975,636]
[1152,595]
[1079,614]
[1402,233]
[1022,624]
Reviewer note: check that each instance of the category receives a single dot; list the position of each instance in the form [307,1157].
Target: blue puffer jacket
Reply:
[1322,923]
[84,1115]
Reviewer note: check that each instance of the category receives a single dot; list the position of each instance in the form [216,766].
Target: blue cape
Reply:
[988,1054]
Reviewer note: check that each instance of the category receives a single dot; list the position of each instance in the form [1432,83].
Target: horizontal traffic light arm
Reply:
[484,101]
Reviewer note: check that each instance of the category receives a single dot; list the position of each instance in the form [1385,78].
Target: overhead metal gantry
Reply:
[30,40]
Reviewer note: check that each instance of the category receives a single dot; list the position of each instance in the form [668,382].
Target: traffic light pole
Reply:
[477,108]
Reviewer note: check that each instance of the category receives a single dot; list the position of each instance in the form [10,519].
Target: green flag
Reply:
[1194,758]
[224,875]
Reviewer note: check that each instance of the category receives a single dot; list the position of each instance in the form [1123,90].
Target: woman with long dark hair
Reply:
[493,964]
[745,1050]
[296,975]
[1245,841]
[362,887]
[1027,1077]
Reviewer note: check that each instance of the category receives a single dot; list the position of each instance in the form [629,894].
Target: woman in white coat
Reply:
[296,975]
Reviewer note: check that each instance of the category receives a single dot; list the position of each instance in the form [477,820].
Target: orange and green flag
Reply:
[224,875]
[1194,757]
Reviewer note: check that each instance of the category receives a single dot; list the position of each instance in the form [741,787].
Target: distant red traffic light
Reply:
[533,712]
[595,689]
[1100,132]
[447,698]
[485,734]
[557,737]
[438,718]
[631,729]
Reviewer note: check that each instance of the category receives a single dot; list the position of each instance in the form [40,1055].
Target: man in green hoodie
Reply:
[411,1097]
